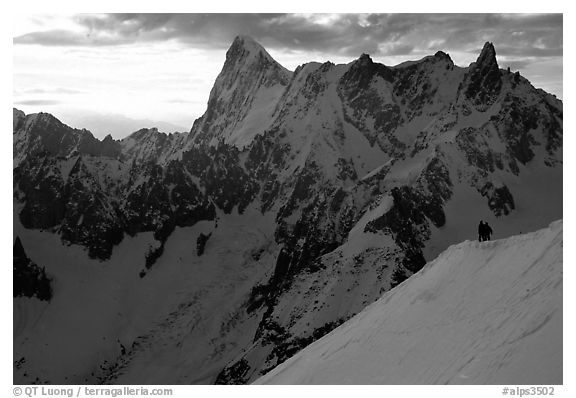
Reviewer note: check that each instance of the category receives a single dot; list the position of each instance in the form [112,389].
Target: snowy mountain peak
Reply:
[483,81]
[444,56]
[244,51]
[365,59]
[43,133]
[487,57]
[247,43]
[43,118]
[364,69]
[243,96]
[144,133]
[149,144]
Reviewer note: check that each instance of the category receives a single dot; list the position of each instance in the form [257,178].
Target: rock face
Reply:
[29,279]
[243,95]
[483,81]
[367,170]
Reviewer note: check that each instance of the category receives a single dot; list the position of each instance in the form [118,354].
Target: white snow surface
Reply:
[175,321]
[254,121]
[481,313]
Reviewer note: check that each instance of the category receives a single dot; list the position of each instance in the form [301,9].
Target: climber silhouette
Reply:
[484,231]
[487,231]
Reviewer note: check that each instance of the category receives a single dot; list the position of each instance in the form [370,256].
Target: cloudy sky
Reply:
[115,73]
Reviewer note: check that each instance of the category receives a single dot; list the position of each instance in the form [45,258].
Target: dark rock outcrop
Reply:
[201,243]
[29,279]
[483,81]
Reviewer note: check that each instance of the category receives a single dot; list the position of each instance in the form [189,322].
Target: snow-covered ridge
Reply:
[481,313]
[42,132]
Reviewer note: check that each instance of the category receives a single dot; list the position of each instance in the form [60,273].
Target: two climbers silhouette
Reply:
[484,231]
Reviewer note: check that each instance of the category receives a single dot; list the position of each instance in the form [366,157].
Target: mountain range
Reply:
[295,201]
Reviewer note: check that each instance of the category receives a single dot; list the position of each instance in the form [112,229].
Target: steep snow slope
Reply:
[208,326]
[481,313]
[185,310]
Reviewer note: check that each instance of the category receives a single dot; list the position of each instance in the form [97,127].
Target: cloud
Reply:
[345,34]
[38,102]
[516,64]
[182,101]
[512,34]
[530,51]
[55,90]
[59,37]
[400,49]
